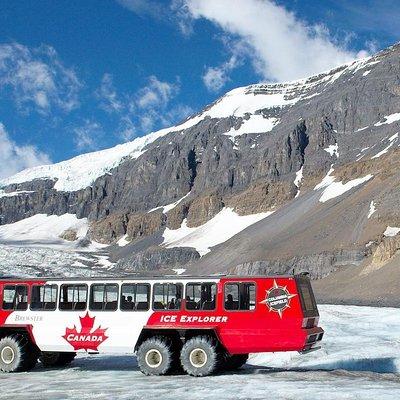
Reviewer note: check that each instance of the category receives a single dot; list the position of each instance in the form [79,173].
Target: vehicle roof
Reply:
[144,278]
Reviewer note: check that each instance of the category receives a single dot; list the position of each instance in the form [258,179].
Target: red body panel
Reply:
[260,330]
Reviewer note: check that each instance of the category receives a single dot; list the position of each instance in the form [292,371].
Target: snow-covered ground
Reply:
[45,229]
[360,359]
[41,261]
[34,247]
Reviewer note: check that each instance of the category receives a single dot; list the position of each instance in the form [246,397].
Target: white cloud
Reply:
[155,102]
[108,96]
[14,158]
[86,135]
[156,93]
[127,129]
[182,16]
[216,77]
[150,107]
[161,10]
[144,7]
[281,46]
[37,78]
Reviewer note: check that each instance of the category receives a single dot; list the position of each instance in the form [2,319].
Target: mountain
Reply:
[299,176]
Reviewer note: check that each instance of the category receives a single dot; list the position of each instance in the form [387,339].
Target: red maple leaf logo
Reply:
[85,339]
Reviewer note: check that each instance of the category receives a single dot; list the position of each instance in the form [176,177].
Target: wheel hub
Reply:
[198,358]
[153,358]
[7,355]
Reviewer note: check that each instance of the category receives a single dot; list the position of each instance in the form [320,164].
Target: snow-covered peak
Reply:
[81,171]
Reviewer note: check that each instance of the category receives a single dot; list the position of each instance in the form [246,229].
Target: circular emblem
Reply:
[277,298]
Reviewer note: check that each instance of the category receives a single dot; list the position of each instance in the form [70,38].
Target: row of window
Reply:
[133,297]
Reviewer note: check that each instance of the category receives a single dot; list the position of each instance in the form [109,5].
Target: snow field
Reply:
[43,228]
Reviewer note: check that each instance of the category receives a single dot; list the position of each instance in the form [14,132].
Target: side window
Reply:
[200,296]
[240,296]
[15,297]
[167,296]
[135,297]
[103,297]
[44,297]
[73,297]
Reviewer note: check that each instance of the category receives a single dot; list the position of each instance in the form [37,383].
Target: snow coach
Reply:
[198,324]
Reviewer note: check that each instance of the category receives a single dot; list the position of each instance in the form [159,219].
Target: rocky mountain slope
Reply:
[270,178]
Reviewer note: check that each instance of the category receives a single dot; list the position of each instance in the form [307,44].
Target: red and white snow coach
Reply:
[199,324]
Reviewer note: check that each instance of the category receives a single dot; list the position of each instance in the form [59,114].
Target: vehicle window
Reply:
[135,297]
[167,296]
[15,297]
[44,297]
[200,296]
[240,296]
[307,297]
[73,297]
[103,297]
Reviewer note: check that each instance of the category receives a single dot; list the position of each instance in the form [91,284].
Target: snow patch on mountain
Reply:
[255,124]
[123,241]
[336,189]
[386,149]
[222,227]
[372,209]
[391,231]
[333,150]
[389,119]
[299,177]
[16,193]
[170,206]
[327,180]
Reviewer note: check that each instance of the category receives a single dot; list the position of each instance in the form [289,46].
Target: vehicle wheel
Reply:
[17,354]
[200,356]
[56,359]
[234,362]
[155,356]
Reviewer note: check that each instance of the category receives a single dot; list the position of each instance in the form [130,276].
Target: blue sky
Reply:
[77,76]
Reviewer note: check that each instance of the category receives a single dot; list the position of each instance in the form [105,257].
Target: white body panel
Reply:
[122,328]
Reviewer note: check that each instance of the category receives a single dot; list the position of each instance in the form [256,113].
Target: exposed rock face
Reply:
[114,226]
[262,196]
[69,235]
[109,229]
[337,120]
[154,259]
[385,251]
[317,265]
[204,208]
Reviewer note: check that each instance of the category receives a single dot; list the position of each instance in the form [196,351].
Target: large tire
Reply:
[17,353]
[56,359]
[155,356]
[232,363]
[200,356]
